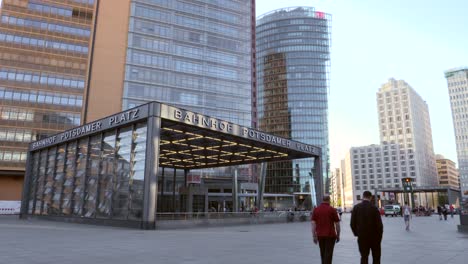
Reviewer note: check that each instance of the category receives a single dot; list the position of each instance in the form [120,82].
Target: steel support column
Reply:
[174,180]
[318,180]
[235,198]
[151,173]
[261,185]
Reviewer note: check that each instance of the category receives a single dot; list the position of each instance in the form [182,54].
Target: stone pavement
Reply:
[429,242]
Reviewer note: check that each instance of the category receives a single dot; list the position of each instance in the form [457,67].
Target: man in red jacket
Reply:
[326,229]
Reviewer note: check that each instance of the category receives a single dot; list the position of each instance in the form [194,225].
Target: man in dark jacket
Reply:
[366,224]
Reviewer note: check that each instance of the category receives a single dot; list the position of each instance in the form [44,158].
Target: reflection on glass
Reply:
[49,183]
[40,164]
[106,175]
[32,182]
[137,171]
[58,180]
[78,185]
[100,176]
[92,176]
[69,178]
[120,197]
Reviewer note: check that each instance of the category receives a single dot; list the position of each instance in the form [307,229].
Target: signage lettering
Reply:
[202,121]
[223,126]
[44,142]
[247,132]
[124,117]
[115,120]
[81,130]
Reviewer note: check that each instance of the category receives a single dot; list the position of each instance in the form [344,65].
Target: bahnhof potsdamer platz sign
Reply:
[106,172]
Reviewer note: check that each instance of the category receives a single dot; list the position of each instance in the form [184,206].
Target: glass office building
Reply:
[44,57]
[193,54]
[293,54]
[197,55]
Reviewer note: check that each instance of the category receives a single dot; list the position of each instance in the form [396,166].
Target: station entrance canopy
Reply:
[106,171]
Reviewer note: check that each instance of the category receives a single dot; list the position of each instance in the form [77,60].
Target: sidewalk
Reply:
[429,242]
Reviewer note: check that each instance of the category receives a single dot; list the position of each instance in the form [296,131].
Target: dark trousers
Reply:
[327,244]
[367,244]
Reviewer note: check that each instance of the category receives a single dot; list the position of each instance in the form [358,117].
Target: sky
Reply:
[374,40]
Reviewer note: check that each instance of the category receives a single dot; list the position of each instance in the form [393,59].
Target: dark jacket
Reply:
[366,221]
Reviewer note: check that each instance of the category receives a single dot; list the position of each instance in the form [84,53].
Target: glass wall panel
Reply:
[32,182]
[58,180]
[137,171]
[40,166]
[79,183]
[121,192]
[49,181]
[107,175]
[92,175]
[70,166]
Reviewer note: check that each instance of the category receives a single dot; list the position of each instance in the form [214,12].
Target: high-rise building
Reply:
[447,172]
[336,187]
[45,49]
[196,55]
[293,54]
[404,120]
[457,81]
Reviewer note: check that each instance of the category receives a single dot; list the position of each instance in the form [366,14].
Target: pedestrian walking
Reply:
[452,209]
[407,215]
[366,224]
[325,229]
[340,212]
[445,213]
[439,212]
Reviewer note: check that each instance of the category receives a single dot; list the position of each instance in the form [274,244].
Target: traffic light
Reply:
[407,184]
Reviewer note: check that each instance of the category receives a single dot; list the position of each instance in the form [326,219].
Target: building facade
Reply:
[457,82]
[45,50]
[447,172]
[404,120]
[193,54]
[293,55]
[336,188]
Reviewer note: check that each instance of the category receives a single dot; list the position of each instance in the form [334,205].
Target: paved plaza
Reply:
[33,241]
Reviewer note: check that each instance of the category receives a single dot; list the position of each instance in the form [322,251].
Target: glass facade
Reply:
[293,53]
[196,55]
[193,54]
[98,177]
[44,53]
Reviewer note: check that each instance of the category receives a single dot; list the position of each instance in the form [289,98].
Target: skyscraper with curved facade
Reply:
[292,56]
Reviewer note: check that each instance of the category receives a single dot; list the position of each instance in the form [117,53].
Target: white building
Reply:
[404,120]
[457,81]
[373,167]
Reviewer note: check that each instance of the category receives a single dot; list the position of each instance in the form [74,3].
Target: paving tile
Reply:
[430,241]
